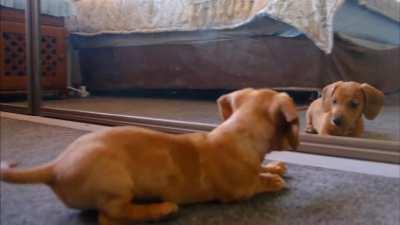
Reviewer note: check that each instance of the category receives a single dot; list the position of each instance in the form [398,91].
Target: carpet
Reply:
[314,196]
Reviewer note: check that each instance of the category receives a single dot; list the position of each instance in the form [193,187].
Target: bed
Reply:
[229,44]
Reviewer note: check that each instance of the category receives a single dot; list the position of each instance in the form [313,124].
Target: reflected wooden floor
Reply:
[203,111]
[385,127]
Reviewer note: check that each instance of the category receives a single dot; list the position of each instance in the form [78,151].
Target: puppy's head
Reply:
[347,101]
[276,111]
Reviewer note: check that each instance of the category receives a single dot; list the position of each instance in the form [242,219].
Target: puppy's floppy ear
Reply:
[229,102]
[288,109]
[327,93]
[287,106]
[373,101]
[225,106]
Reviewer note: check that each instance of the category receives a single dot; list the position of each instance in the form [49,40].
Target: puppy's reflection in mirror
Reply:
[340,109]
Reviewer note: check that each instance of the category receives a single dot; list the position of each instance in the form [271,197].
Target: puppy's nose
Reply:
[337,121]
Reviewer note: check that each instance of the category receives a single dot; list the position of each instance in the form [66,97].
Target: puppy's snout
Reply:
[337,121]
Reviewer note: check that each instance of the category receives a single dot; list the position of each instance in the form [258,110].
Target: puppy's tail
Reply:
[39,174]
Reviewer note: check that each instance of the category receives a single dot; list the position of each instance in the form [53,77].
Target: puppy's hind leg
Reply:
[121,211]
[115,194]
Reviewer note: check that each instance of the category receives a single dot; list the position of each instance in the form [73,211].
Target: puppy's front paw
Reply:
[310,130]
[272,182]
[7,165]
[168,208]
[164,211]
[276,167]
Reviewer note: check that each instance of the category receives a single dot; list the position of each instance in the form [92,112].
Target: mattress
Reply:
[113,23]
[353,21]
[314,18]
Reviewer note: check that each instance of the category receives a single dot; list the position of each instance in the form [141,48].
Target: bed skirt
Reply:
[251,62]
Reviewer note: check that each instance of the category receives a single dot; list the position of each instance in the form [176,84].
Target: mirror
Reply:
[173,64]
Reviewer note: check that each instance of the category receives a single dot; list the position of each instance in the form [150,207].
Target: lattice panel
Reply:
[15,55]
[49,56]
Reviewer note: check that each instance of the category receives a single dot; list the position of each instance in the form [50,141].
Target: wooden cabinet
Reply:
[13,77]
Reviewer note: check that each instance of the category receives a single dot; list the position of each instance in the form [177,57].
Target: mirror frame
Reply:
[372,150]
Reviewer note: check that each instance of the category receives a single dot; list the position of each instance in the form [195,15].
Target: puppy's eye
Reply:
[353,104]
[334,101]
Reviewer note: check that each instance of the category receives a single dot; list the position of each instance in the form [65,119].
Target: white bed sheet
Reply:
[92,17]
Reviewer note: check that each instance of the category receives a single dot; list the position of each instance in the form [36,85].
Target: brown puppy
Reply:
[339,110]
[108,169]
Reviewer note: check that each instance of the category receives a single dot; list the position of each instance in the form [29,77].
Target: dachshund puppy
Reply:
[111,169]
[340,108]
